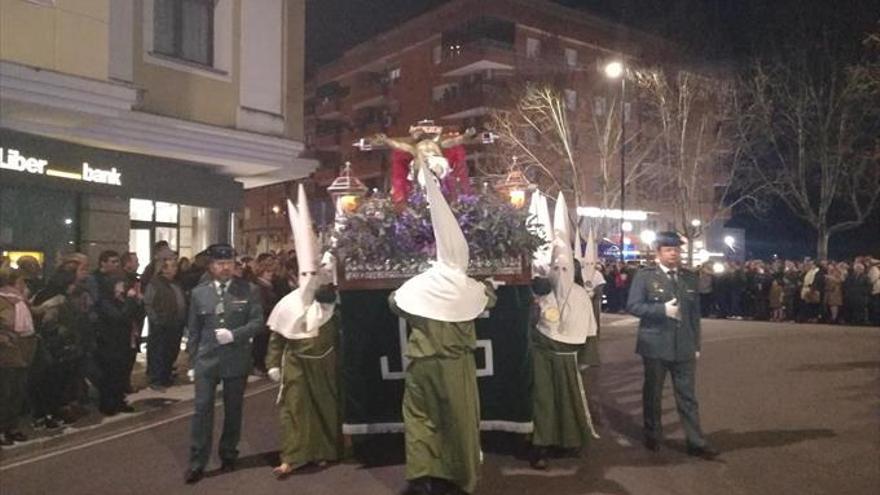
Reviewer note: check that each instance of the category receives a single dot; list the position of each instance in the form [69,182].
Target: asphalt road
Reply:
[795,409]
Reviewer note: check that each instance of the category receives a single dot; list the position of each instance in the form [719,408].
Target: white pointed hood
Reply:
[589,258]
[541,226]
[444,292]
[297,315]
[576,321]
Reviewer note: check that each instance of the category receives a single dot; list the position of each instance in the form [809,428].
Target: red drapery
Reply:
[457,182]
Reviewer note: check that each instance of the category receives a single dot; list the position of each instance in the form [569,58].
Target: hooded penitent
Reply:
[297,315]
[574,320]
[443,292]
[592,278]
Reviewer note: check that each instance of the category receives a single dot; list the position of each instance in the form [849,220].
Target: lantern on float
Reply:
[515,186]
[346,191]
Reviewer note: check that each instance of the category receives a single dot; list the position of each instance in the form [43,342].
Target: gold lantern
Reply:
[515,186]
[346,191]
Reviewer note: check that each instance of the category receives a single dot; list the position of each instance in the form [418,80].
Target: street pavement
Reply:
[795,409]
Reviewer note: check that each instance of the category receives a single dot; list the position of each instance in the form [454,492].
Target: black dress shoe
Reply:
[706,452]
[652,444]
[16,436]
[193,476]
[126,408]
[227,466]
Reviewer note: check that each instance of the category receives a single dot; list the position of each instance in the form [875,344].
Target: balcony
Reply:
[369,89]
[477,56]
[470,101]
[328,108]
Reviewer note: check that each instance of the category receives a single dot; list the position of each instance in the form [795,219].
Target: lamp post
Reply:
[616,70]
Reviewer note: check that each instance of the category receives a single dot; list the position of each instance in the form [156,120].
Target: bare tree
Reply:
[561,149]
[690,114]
[809,128]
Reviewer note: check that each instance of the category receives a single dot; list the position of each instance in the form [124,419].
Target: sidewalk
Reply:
[150,406]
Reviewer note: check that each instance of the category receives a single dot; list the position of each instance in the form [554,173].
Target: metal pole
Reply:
[622,158]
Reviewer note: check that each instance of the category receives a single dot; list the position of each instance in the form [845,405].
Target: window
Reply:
[571,98]
[571,57]
[184,29]
[533,48]
[437,54]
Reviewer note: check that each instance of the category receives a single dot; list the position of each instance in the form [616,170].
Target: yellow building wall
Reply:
[186,95]
[70,37]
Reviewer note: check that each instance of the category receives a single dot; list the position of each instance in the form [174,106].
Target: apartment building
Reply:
[455,64]
[125,122]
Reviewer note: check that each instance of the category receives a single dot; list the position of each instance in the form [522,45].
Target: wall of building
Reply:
[186,91]
[295,58]
[68,36]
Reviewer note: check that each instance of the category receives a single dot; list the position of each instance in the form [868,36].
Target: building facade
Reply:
[456,64]
[125,122]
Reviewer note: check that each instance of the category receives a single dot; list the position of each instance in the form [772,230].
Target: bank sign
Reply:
[14,160]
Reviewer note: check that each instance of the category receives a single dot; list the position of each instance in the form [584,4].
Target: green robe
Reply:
[441,404]
[310,395]
[558,397]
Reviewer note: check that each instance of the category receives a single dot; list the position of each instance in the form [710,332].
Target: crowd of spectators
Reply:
[69,342]
[808,291]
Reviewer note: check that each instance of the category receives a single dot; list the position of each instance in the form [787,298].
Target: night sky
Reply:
[730,31]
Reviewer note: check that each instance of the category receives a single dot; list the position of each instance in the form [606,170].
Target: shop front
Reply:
[58,197]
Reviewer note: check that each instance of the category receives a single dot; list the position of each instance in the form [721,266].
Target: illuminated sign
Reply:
[593,212]
[12,159]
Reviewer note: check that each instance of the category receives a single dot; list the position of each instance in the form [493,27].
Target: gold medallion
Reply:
[551,314]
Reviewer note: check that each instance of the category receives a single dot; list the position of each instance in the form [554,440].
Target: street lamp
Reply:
[696,222]
[616,70]
[648,237]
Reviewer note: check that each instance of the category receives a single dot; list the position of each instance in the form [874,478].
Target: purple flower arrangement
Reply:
[378,236]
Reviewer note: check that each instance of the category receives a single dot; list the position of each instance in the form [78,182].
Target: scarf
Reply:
[23,321]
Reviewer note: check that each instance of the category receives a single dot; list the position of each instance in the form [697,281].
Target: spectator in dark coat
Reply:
[856,294]
[165,305]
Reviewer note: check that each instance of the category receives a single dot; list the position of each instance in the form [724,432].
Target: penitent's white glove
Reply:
[672,309]
[274,374]
[191,374]
[224,336]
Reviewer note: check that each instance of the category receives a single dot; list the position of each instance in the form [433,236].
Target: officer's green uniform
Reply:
[310,413]
[441,404]
[558,396]
[668,345]
[238,310]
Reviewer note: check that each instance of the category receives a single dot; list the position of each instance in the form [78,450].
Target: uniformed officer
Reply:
[666,299]
[224,316]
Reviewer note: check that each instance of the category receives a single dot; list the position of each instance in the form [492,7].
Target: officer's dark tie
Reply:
[672,275]
[222,288]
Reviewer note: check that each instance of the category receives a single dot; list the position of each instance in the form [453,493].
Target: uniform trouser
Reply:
[163,346]
[683,384]
[13,387]
[203,419]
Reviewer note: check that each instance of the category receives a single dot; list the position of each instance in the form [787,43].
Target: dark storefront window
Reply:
[36,219]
